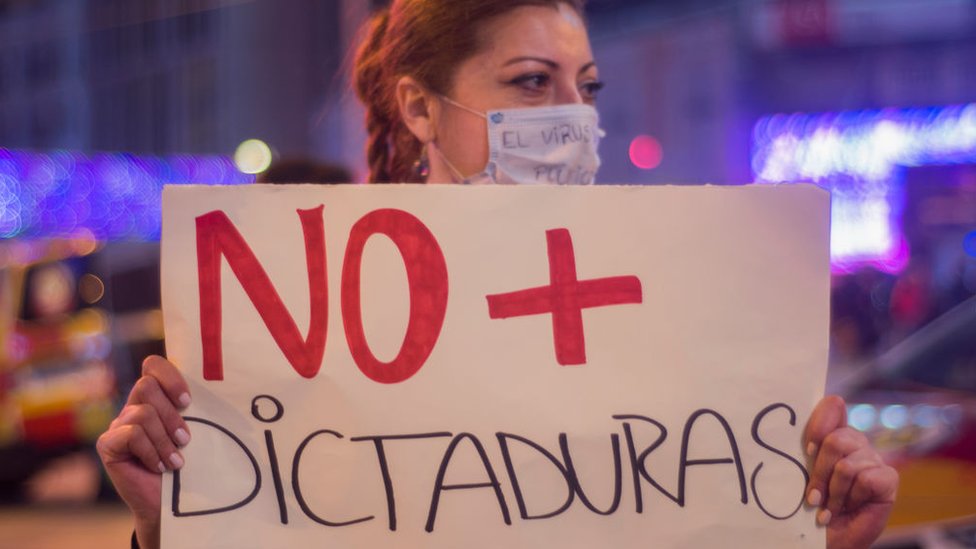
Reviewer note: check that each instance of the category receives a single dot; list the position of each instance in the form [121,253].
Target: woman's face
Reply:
[533,56]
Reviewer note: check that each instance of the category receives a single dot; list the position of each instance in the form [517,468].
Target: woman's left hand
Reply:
[850,483]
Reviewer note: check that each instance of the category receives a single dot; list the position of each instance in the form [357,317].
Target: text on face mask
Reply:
[560,174]
[561,134]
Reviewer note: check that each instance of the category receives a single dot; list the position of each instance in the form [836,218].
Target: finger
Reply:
[147,391]
[844,475]
[829,415]
[126,442]
[873,485]
[834,447]
[148,419]
[170,379]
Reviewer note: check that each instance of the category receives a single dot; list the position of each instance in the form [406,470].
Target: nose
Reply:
[568,93]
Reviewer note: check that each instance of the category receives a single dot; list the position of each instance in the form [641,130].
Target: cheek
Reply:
[465,142]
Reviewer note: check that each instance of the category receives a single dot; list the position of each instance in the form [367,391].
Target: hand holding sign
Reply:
[143,442]
[854,487]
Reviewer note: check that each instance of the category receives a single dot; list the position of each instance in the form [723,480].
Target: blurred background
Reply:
[104,101]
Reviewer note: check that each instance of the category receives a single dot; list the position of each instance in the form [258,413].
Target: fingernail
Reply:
[176,460]
[161,467]
[182,437]
[814,498]
[185,400]
[823,517]
[811,449]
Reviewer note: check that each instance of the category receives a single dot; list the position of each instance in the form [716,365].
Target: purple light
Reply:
[113,196]
[859,157]
[969,244]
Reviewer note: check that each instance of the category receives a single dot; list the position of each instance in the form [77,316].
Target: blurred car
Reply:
[57,388]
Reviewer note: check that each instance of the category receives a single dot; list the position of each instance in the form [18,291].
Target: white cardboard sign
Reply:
[519,367]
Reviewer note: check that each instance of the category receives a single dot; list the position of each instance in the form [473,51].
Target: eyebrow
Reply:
[548,62]
[552,64]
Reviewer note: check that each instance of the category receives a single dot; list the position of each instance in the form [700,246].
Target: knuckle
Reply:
[139,414]
[887,475]
[872,458]
[845,470]
[833,442]
[148,455]
[136,432]
[145,450]
[857,438]
[145,385]
[125,416]
[844,441]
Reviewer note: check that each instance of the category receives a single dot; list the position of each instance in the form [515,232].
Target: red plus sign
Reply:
[565,298]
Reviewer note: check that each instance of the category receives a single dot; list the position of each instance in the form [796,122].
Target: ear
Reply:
[418,109]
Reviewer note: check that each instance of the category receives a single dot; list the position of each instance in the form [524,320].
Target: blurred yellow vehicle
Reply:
[56,385]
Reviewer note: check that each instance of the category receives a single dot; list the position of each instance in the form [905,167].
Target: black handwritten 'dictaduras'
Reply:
[563,462]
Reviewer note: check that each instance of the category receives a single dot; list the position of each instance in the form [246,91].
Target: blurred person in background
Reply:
[912,301]
[859,313]
[430,73]
[304,170]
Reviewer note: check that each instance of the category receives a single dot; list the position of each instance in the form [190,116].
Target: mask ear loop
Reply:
[462,107]
[455,173]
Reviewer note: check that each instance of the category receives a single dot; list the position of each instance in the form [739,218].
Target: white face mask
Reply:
[538,145]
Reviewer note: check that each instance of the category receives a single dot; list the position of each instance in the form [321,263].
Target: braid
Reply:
[369,81]
[406,151]
[378,146]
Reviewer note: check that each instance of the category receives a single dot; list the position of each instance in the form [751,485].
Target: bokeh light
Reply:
[925,415]
[91,288]
[104,196]
[952,414]
[969,244]
[646,152]
[862,417]
[894,416]
[253,156]
[859,156]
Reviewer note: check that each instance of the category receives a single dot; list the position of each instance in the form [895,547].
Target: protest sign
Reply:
[448,366]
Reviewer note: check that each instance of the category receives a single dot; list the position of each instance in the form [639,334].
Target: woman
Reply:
[430,73]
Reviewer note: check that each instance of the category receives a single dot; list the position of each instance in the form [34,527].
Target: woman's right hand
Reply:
[144,440]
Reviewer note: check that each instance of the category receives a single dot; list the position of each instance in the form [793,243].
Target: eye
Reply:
[533,82]
[590,89]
